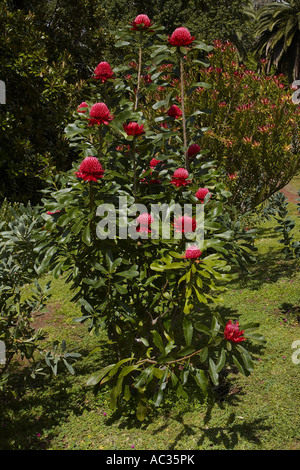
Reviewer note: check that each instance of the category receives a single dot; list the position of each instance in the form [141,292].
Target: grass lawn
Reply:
[253,413]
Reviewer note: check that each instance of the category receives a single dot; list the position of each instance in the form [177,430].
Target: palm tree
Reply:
[278,36]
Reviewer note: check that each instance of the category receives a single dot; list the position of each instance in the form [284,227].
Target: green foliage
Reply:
[17,271]
[44,51]
[60,354]
[207,20]
[5,212]
[291,248]
[253,127]
[278,37]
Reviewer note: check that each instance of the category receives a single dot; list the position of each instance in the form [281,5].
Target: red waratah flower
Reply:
[201,193]
[144,222]
[90,169]
[133,128]
[154,162]
[193,150]
[184,224]
[193,252]
[103,72]
[180,177]
[174,111]
[141,22]
[99,114]
[81,107]
[181,37]
[233,333]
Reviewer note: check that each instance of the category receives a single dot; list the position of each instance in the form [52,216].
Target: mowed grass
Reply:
[251,413]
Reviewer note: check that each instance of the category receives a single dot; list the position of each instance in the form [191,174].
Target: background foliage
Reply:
[49,51]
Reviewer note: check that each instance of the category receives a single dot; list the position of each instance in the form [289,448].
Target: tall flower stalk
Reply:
[139,76]
[183,113]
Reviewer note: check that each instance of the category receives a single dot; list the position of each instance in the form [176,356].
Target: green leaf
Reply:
[127,393]
[127,369]
[98,376]
[68,366]
[158,104]
[116,391]
[128,274]
[248,363]
[142,409]
[250,327]
[86,235]
[121,289]
[238,365]
[201,84]
[201,380]
[158,341]
[203,354]
[116,367]
[256,337]
[145,377]
[186,351]
[200,297]
[221,362]
[213,372]
[188,331]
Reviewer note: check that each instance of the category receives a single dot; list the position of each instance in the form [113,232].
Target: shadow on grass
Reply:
[271,266]
[205,435]
[228,436]
[32,408]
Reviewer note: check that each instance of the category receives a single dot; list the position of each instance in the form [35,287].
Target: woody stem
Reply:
[134,168]
[183,114]
[139,78]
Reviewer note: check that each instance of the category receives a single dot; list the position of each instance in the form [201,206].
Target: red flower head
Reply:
[174,111]
[185,224]
[52,213]
[180,177]
[144,221]
[133,128]
[181,37]
[193,150]
[103,72]
[141,22]
[99,114]
[90,169]
[233,333]
[154,162]
[201,193]
[81,107]
[193,252]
